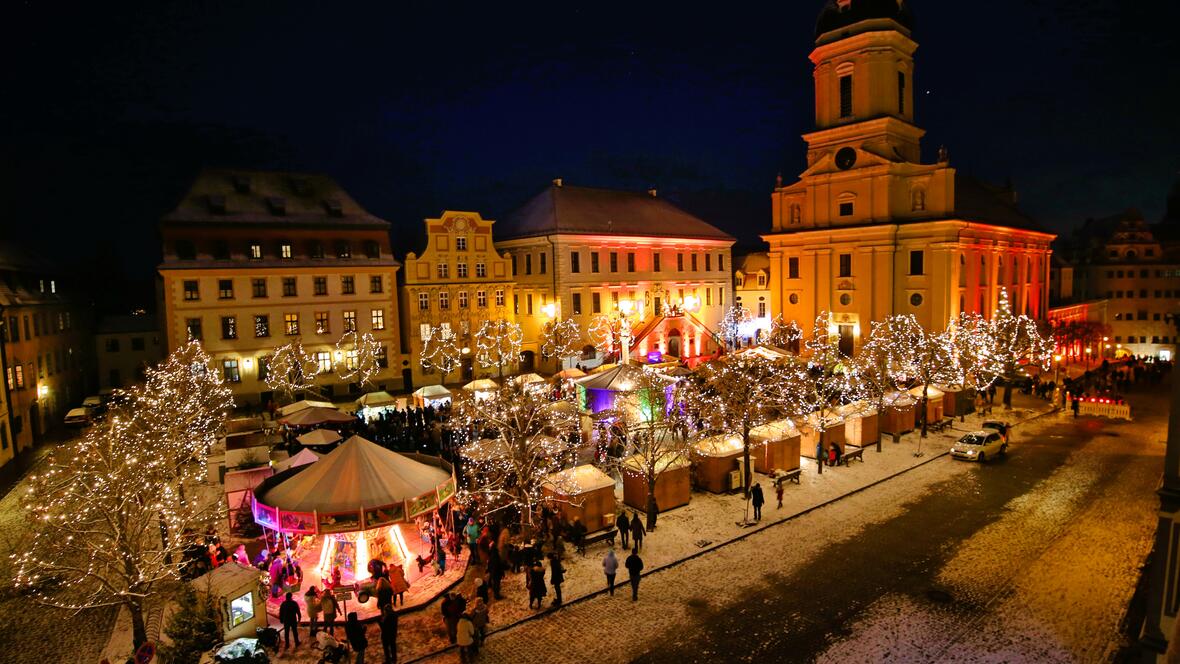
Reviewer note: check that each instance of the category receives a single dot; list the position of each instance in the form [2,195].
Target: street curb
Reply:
[715,547]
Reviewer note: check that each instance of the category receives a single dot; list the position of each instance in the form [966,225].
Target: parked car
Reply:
[79,417]
[1000,426]
[979,445]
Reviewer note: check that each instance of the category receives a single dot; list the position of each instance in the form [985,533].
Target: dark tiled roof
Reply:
[270,198]
[982,202]
[568,209]
[832,17]
[123,324]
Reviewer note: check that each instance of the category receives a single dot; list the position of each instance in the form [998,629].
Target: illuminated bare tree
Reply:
[440,351]
[1016,342]
[732,326]
[292,370]
[918,354]
[560,339]
[498,343]
[830,379]
[360,358]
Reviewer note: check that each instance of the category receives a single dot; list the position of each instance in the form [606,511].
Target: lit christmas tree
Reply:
[733,326]
[497,344]
[1017,342]
[919,356]
[784,334]
[973,337]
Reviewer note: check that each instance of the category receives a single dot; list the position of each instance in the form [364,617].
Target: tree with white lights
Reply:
[292,370]
[520,438]
[830,379]
[973,339]
[733,326]
[440,351]
[875,368]
[607,332]
[498,343]
[785,334]
[360,358]
[921,355]
[1016,342]
[559,339]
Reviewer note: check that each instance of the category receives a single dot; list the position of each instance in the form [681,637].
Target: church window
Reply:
[846,96]
[793,267]
[795,213]
[846,209]
[917,258]
[901,92]
[845,265]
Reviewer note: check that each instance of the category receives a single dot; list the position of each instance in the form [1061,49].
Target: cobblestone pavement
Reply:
[1028,558]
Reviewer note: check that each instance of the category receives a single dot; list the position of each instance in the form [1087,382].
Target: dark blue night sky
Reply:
[110,109]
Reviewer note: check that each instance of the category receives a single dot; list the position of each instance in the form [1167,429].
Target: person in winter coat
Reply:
[653,511]
[610,566]
[450,613]
[330,608]
[481,589]
[757,500]
[355,632]
[556,577]
[479,618]
[289,615]
[397,579]
[820,457]
[637,531]
[778,493]
[312,600]
[634,566]
[276,577]
[465,637]
[832,455]
[388,624]
[472,533]
[837,451]
[536,583]
[496,571]
[384,593]
[624,527]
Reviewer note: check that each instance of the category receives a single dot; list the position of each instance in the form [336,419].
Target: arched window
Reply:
[796,213]
[918,199]
[1000,270]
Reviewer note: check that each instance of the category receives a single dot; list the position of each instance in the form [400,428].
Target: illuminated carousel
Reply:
[361,502]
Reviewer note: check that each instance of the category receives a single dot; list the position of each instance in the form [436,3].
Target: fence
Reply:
[1100,409]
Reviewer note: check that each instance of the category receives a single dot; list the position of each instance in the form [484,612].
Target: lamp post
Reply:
[625,308]
[1087,358]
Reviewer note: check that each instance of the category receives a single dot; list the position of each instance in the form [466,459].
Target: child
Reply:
[778,492]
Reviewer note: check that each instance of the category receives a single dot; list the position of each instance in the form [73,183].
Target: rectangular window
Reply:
[655,262]
[376,284]
[481,299]
[721,262]
[444,300]
[460,244]
[285,250]
[846,96]
[423,301]
[514,265]
[1142,315]
[680,262]
[916,260]
[13,329]
[263,368]
[846,209]
[516,303]
[708,296]
[630,261]
[481,270]
[348,285]
[262,326]
[258,287]
[901,92]
[528,303]
[319,285]
[693,262]
[112,345]
[444,271]
[614,261]
[596,303]
[594,262]
[462,296]
[576,301]
[193,325]
[229,327]
[315,249]
[255,251]
[382,357]
[19,376]
[289,287]
[461,270]
[377,318]
[192,291]
[291,324]
[544,257]
[225,289]
[343,250]
[708,262]
[720,297]
[499,297]
[323,359]
[845,265]
[322,324]
[762,310]
[229,370]
[350,321]
[528,263]
[793,267]
[575,262]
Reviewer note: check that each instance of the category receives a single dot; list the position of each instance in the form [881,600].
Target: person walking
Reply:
[472,533]
[556,577]
[384,593]
[479,619]
[536,583]
[634,566]
[312,600]
[450,614]
[610,567]
[819,457]
[637,531]
[397,579]
[778,493]
[624,527]
[757,500]
[330,608]
[388,624]
[466,638]
[355,632]
[289,615]
[653,511]
[495,572]
[1075,406]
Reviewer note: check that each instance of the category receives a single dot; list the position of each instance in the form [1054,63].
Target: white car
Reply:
[78,417]
[979,445]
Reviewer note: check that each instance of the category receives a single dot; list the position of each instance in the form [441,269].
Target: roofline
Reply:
[898,225]
[730,240]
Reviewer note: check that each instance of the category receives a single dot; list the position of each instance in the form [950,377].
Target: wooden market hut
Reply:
[236,592]
[934,402]
[775,446]
[714,458]
[957,401]
[673,486]
[809,433]
[431,395]
[585,493]
[861,423]
[898,414]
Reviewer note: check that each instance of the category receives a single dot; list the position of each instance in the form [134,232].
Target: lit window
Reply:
[350,321]
[481,299]
[229,370]
[343,250]
[322,325]
[481,270]
[193,325]
[423,301]
[255,251]
[262,326]
[225,289]
[461,244]
[462,299]
[191,290]
[377,316]
[291,324]
[285,250]
[323,359]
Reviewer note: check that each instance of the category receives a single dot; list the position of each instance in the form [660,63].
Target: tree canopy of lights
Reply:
[971,335]
[560,339]
[732,326]
[498,343]
[606,333]
[361,358]
[519,439]
[440,351]
[292,370]
[110,514]
[920,356]
[785,334]
[875,368]
[831,379]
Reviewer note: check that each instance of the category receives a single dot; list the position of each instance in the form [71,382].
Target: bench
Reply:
[788,476]
[594,538]
[942,425]
[850,454]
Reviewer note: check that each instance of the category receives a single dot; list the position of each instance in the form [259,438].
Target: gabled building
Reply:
[124,346]
[592,254]
[254,259]
[868,230]
[457,282]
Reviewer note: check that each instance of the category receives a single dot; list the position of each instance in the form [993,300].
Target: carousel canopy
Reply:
[623,378]
[581,479]
[481,385]
[309,417]
[357,475]
[432,392]
[303,405]
[374,399]
[302,458]
[319,437]
[572,372]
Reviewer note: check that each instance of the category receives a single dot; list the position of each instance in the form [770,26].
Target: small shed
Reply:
[861,423]
[775,445]
[809,433]
[237,596]
[431,395]
[585,493]
[934,401]
[715,458]
[673,486]
[957,401]
[898,413]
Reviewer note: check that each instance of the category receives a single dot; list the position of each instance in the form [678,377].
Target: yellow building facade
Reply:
[868,230]
[253,260]
[458,282]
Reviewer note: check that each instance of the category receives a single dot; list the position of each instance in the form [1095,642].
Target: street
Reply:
[1032,557]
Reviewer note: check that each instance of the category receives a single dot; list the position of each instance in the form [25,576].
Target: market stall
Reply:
[810,432]
[898,414]
[673,486]
[370,406]
[934,402]
[323,439]
[530,381]
[600,391]
[585,493]
[292,408]
[431,395]
[315,416]
[861,424]
[957,401]
[236,593]
[481,389]
[716,460]
[775,446]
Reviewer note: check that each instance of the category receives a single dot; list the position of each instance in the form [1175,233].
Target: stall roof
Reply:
[857,409]
[481,385]
[527,379]
[227,579]
[580,479]
[719,446]
[623,378]
[356,475]
[432,392]
[900,398]
[316,415]
[303,405]
[302,458]
[932,392]
[373,399]
[776,430]
[634,463]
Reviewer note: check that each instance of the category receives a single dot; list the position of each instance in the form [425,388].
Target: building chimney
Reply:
[651,191]
[556,182]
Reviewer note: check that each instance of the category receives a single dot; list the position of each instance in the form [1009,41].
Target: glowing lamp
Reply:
[550,310]
[626,306]
[42,391]
[248,363]
[466,350]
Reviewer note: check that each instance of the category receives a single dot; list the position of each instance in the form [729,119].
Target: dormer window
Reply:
[343,249]
[372,249]
[221,250]
[255,251]
[334,208]
[762,280]
[277,205]
[315,249]
[285,250]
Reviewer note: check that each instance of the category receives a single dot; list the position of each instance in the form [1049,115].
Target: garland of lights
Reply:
[560,338]
[498,343]
[292,369]
[440,351]
[361,358]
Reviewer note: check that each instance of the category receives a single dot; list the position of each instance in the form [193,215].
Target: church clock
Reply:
[845,158]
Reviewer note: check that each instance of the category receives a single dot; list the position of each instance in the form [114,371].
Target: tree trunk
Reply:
[650,505]
[138,625]
[1007,395]
[746,470]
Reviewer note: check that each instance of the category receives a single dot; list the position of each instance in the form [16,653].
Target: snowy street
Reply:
[1029,558]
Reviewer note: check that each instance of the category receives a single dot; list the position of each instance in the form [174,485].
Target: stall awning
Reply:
[580,479]
[481,385]
[303,405]
[432,392]
[310,417]
[375,399]
[319,437]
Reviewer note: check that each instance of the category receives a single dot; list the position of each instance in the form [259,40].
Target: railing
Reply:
[1100,409]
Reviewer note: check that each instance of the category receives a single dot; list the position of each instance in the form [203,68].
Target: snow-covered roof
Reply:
[227,579]
[580,479]
[635,463]
[302,405]
[315,415]
[719,446]
[777,430]
[857,409]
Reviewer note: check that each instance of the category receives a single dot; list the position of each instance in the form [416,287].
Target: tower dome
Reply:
[838,14]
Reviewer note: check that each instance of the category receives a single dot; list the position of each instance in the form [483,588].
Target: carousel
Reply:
[361,502]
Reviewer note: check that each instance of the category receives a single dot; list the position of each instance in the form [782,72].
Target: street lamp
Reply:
[1087,358]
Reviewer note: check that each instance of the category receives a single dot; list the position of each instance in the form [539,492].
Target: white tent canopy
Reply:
[481,385]
[319,437]
[302,458]
[432,392]
[359,474]
[303,405]
[375,399]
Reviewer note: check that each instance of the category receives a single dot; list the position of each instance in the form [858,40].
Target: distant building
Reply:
[253,260]
[751,284]
[457,282]
[45,352]
[598,252]
[869,230]
[123,347]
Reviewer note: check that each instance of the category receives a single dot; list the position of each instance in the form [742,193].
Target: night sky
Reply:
[111,109]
